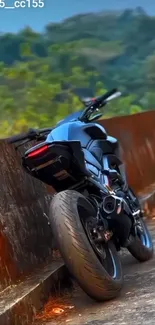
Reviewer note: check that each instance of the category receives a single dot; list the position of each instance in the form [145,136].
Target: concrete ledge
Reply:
[20,303]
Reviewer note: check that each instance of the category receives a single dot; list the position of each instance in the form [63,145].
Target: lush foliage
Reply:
[42,74]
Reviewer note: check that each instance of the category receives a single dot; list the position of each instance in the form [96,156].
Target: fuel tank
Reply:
[77,130]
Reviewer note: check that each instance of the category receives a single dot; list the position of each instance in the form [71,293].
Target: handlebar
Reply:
[97,102]
[32,134]
[101,100]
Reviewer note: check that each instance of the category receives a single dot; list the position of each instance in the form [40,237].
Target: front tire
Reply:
[67,210]
[141,246]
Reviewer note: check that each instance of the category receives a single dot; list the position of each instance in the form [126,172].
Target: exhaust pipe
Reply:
[116,210]
[109,204]
[115,204]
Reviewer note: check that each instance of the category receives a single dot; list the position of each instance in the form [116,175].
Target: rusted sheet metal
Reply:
[26,239]
[136,134]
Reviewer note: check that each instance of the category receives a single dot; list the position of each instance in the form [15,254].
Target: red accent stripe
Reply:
[38,151]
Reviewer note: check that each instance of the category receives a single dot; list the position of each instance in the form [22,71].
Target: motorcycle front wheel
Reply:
[141,246]
[97,268]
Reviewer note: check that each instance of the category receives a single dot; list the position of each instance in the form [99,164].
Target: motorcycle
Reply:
[94,213]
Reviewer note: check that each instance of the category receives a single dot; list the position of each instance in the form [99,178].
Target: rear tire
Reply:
[76,249]
[141,246]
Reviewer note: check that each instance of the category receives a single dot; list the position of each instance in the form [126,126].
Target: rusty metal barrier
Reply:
[136,134]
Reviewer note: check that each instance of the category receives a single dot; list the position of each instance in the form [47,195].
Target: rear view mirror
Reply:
[86,101]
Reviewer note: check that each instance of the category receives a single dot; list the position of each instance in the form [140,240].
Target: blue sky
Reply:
[11,20]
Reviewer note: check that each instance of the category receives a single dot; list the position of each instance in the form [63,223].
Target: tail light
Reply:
[37,152]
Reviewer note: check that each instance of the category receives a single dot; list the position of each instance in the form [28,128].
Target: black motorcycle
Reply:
[94,212]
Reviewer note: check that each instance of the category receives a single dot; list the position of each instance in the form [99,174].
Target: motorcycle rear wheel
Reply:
[101,278]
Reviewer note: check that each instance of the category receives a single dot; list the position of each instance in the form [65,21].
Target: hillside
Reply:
[95,51]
